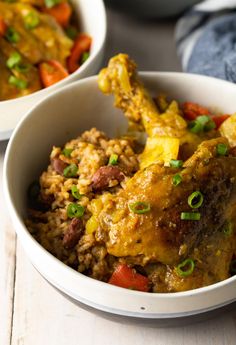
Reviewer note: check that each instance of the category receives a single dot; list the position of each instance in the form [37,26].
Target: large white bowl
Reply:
[64,115]
[92,19]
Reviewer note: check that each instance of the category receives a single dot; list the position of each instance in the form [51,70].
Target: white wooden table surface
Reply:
[31,311]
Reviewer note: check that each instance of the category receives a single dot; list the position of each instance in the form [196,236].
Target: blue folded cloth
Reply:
[206,39]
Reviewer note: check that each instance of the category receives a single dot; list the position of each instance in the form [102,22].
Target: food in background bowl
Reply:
[155,217]
[40,44]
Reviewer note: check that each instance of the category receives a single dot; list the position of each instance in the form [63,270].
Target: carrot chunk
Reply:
[61,12]
[193,110]
[82,44]
[51,72]
[3,27]
[219,119]
[128,278]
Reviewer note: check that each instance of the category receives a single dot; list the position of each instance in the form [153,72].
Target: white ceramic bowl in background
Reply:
[63,116]
[92,20]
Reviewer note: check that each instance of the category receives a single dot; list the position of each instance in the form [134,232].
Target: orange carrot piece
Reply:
[128,278]
[82,44]
[3,27]
[61,12]
[219,119]
[193,110]
[51,72]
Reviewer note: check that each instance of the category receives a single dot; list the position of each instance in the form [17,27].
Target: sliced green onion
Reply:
[228,229]
[12,35]
[31,20]
[84,57]
[190,216]
[175,163]
[13,60]
[71,32]
[195,200]
[17,82]
[75,210]
[67,152]
[176,179]
[195,127]
[113,159]
[209,125]
[70,171]
[221,149]
[185,268]
[22,68]
[202,123]
[75,192]
[139,207]
[51,3]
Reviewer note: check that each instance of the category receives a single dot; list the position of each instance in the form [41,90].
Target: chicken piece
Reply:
[44,41]
[160,235]
[212,258]
[120,78]
[26,73]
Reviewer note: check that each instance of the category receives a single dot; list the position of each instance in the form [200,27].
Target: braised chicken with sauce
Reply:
[155,215]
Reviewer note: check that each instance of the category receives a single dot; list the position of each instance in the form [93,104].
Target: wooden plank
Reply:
[7,267]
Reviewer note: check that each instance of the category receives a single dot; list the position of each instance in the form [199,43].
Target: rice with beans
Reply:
[72,239]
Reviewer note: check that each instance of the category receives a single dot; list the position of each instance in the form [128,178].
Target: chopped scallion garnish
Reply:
[12,35]
[222,149]
[84,57]
[75,192]
[51,3]
[75,210]
[22,68]
[176,179]
[175,163]
[67,152]
[113,159]
[202,123]
[190,216]
[195,200]
[185,268]
[139,207]
[70,170]
[31,20]
[17,82]
[13,60]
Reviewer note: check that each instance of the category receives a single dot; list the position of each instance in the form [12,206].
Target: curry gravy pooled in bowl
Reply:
[157,216]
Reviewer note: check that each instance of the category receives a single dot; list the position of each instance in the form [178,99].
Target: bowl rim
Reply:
[21,229]
[80,70]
